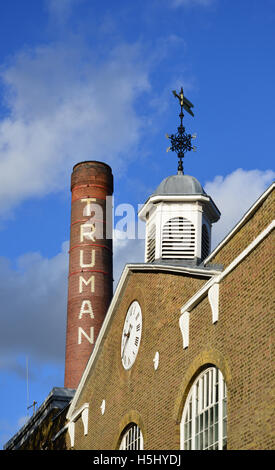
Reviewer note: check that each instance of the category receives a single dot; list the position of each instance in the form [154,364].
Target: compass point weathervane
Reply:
[181,142]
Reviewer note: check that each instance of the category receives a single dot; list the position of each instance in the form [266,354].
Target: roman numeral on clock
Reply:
[136,341]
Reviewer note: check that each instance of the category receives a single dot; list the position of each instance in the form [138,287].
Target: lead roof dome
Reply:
[179,184]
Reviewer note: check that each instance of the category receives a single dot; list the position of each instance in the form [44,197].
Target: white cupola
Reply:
[178,216]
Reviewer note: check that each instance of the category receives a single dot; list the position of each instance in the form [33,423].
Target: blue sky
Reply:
[86,79]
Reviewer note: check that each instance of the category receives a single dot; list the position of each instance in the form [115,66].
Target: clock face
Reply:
[131,335]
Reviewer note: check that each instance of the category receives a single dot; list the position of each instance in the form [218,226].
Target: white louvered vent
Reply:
[151,244]
[178,238]
[205,243]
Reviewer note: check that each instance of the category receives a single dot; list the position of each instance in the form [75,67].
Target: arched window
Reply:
[205,242]
[178,238]
[204,418]
[132,438]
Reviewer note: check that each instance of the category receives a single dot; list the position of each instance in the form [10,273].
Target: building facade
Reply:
[184,357]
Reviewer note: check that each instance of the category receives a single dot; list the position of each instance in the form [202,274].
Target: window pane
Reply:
[201,440]
[216,413]
[211,416]
[206,419]
[186,431]
[224,408]
[224,428]
[216,432]
[211,429]
[206,438]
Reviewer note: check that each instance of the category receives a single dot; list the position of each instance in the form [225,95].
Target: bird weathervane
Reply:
[181,141]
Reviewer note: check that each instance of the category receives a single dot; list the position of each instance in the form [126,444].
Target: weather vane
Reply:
[181,142]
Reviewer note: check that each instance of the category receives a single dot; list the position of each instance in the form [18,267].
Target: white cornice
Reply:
[178,198]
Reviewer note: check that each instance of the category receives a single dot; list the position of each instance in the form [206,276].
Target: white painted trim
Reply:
[243,220]
[173,269]
[218,278]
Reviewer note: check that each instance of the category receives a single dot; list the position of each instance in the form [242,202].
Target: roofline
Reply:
[242,221]
[127,269]
[55,399]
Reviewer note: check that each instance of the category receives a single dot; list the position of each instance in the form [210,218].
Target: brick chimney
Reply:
[90,286]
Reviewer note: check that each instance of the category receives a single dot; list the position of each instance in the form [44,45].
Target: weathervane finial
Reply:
[181,142]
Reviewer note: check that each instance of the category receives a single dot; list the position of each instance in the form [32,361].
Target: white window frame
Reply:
[132,438]
[204,418]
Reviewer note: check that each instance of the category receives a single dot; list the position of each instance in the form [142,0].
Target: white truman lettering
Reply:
[89,265]
[86,307]
[91,281]
[85,233]
[82,332]
[88,208]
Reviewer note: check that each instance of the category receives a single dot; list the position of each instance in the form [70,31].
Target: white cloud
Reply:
[67,104]
[33,308]
[234,194]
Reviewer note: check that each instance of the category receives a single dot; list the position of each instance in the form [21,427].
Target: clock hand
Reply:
[126,341]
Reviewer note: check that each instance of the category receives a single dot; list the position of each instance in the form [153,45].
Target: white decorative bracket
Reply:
[84,416]
[213,297]
[71,426]
[156,360]
[184,328]
[84,413]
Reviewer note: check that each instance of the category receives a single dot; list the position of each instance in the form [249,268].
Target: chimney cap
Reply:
[92,162]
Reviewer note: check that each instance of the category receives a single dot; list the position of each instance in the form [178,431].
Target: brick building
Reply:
[184,357]
[201,373]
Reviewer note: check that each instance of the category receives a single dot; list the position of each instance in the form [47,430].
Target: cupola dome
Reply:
[179,184]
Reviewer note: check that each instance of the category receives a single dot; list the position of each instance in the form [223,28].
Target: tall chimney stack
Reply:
[90,286]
